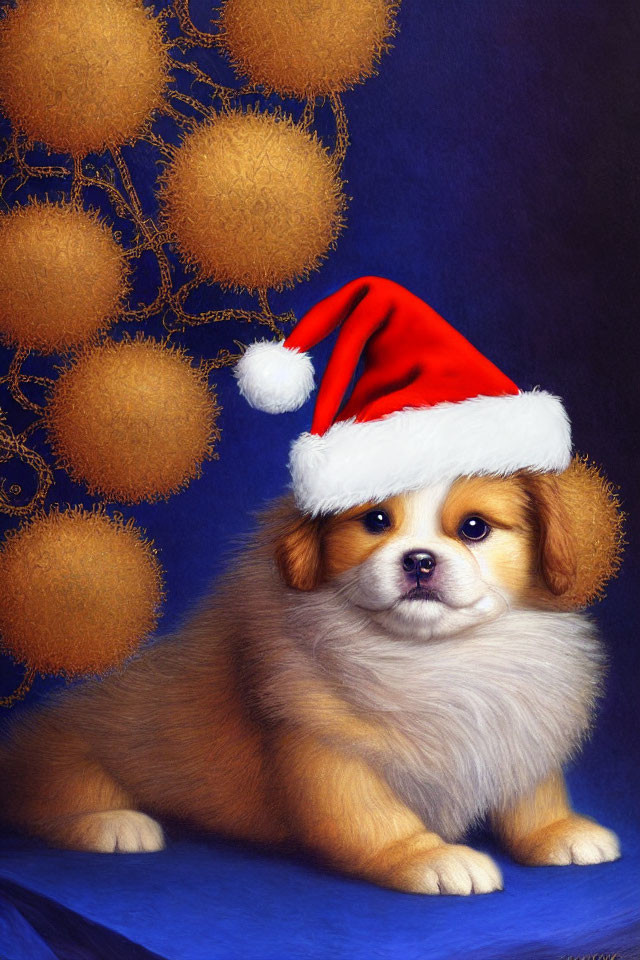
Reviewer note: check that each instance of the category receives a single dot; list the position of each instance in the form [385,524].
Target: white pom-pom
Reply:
[274,378]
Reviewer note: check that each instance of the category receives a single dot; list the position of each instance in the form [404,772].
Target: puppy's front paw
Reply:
[448,868]
[573,840]
[112,831]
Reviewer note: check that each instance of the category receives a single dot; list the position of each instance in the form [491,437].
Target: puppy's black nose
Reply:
[419,563]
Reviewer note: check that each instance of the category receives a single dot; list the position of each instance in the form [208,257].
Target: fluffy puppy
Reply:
[368,684]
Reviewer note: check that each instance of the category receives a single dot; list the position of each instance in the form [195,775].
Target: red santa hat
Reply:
[426,407]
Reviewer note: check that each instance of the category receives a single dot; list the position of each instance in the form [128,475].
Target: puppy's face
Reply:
[432,562]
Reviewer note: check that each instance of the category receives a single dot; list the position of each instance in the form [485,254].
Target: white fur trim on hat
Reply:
[274,378]
[354,463]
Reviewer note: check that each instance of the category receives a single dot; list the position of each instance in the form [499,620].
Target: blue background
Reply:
[491,173]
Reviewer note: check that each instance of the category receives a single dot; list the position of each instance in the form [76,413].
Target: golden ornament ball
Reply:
[253,200]
[63,277]
[307,48]
[132,420]
[81,77]
[78,592]
[596,526]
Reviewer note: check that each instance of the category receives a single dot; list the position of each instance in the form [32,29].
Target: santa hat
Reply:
[426,407]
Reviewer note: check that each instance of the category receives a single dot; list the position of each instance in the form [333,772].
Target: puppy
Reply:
[367,684]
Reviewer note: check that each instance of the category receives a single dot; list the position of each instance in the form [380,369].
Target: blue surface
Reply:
[204,899]
[18,938]
[491,170]
[33,927]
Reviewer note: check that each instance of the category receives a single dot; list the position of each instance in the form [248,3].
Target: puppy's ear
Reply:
[298,551]
[581,532]
[557,554]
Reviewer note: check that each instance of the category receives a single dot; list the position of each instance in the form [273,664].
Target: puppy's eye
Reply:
[474,529]
[376,521]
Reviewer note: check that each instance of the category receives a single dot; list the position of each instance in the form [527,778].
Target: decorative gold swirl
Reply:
[14,447]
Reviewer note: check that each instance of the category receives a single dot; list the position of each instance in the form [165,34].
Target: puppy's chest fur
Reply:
[478,718]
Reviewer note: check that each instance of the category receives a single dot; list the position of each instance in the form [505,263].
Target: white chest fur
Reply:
[484,715]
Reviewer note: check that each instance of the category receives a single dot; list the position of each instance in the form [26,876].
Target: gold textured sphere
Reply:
[253,200]
[81,75]
[307,48]
[132,420]
[63,277]
[78,592]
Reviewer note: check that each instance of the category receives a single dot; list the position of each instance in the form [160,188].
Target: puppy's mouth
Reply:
[421,592]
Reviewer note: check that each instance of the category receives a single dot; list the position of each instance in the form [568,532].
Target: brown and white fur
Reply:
[312,701]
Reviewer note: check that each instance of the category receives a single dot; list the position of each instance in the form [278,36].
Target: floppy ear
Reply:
[557,553]
[298,550]
[581,532]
